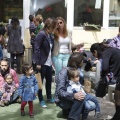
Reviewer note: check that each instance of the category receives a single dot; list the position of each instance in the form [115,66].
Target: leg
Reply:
[65,59]
[48,77]
[31,108]
[12,60]
[18,57]
[93,99]
[76,110]
[23,104]
[58,63]
[117,100]
[14,97]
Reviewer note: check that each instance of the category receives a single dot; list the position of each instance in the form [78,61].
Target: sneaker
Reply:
[22,113]
[97,115]
[2,104]
[51,100]
[31,115]
[42,104]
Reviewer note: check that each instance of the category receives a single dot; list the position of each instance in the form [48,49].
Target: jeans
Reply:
[60,61]
[75,107]
[91,103]
[46,72]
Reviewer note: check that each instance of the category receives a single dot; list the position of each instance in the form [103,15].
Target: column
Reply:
[70,14]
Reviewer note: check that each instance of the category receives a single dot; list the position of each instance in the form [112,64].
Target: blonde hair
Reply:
[65,32]
[39,18]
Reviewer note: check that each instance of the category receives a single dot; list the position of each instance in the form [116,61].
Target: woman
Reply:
[43,48]
[14,45]
[62,45]
[110,63]
[72,103]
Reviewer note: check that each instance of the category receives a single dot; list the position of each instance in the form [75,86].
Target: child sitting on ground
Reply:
[28,89]
[8,89]
[74,86]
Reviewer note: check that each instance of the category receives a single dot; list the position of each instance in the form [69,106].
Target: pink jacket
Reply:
[15,78]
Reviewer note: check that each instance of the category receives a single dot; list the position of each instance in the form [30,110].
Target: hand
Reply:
[79,96]
[4,95]
[20,97]
[10,94]
[38,67]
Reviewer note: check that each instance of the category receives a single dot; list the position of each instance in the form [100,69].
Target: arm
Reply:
[105,62]
[21,86]
[15,77]
[35,86]
[38,42]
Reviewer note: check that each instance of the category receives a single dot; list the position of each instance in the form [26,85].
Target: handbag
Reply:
[101,87]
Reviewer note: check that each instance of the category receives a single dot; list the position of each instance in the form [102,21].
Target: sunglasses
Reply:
[60,23]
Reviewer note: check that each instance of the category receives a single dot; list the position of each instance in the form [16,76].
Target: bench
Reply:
[111,89]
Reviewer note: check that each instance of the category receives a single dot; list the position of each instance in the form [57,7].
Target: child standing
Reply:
[74,86]
[28,89]
[8,89]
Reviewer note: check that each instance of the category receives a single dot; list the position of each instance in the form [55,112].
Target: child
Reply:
[74,86]
[28,89]
[8,89]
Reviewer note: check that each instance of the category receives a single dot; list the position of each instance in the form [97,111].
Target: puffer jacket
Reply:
[61,88]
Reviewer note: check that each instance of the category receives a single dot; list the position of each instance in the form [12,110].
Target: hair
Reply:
[39,18]
[25,68]
[31,17]
[9,74]
[65,32]
[75,60]
[48,24]
[99,47]
[15,22]
[4,59]
[72,72]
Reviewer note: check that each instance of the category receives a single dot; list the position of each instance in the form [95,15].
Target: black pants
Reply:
[18,57]
[76,107]
[46,72]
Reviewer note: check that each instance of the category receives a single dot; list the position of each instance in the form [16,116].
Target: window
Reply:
[85,11]
[54,8]
[114,13]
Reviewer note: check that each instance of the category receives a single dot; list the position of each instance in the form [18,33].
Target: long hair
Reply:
[65,32]
[15,22]
[99,47]
[75,60]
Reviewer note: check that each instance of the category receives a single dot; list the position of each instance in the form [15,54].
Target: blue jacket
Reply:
[28,88]
[42,47]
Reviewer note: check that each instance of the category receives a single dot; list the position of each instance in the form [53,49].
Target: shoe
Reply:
[42,104]
[97,115]
[51,100]
[6,102]
[18,100]
[2,104]
[31,115]
[22,113]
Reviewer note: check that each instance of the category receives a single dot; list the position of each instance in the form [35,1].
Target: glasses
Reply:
[60,23]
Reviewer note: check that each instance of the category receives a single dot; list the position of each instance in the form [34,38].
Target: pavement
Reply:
[52,112]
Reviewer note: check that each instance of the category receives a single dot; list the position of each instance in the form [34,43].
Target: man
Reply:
[110,63]
[5,69]
[72,104]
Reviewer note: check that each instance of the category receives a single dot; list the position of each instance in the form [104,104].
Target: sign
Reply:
[98,4]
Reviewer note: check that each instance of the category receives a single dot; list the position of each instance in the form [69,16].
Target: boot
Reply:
[117,113]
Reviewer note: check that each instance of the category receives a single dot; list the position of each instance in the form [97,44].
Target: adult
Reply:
[43,48]
[14,45]
[71,102]
[62,45]
[5,69]
[32,30]
[110,63]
